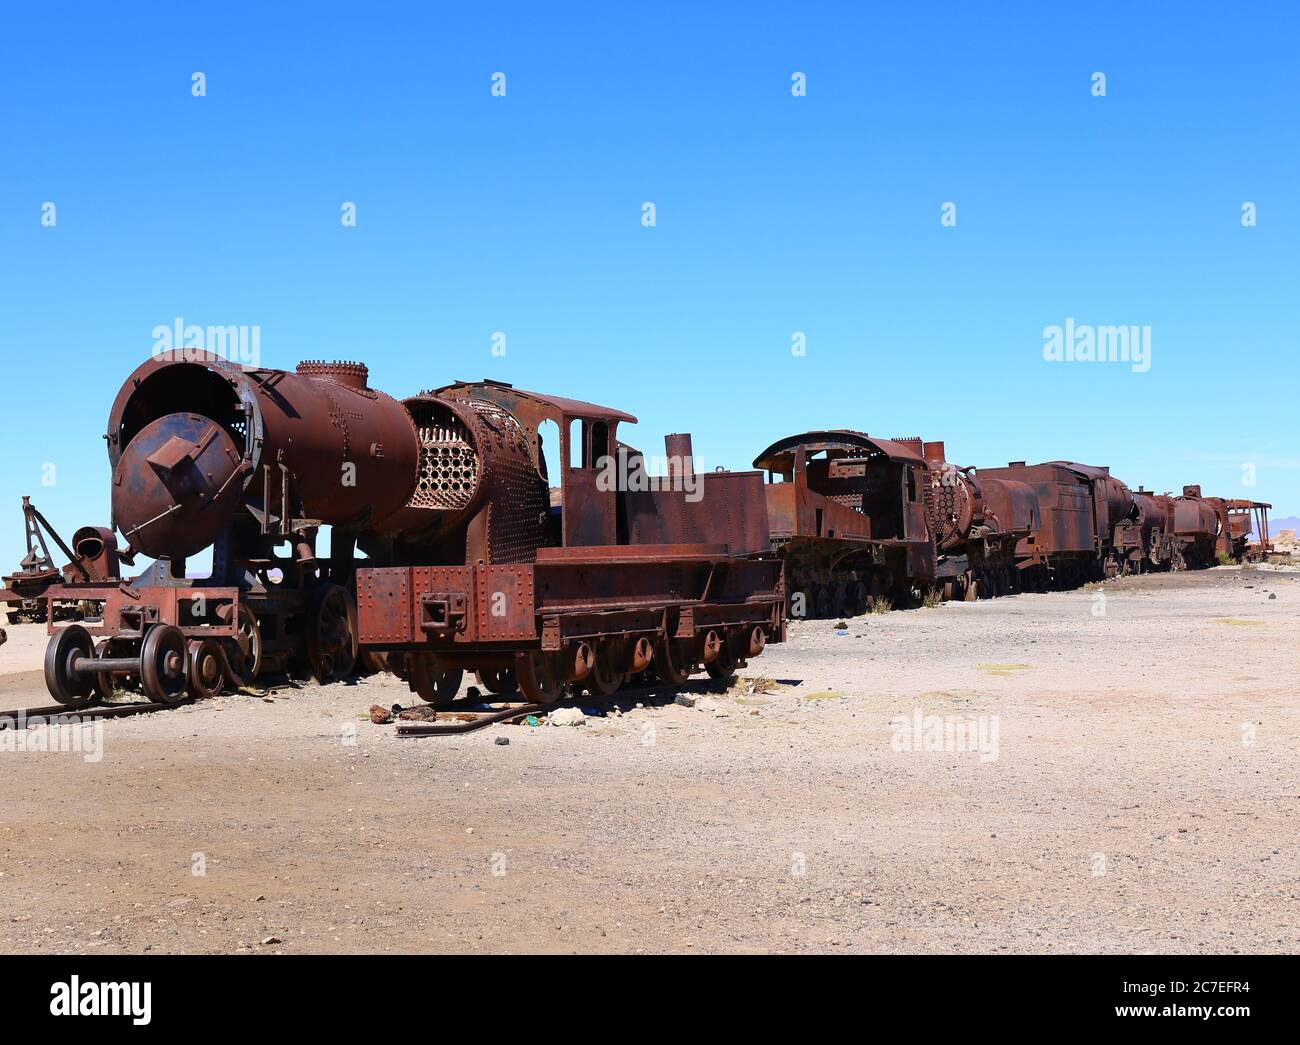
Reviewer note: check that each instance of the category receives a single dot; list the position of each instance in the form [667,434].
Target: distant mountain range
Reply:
[1289,522]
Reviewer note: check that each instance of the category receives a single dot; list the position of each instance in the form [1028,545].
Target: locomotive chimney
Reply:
[680,455]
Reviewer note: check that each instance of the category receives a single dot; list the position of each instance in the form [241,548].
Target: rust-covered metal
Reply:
[1247,518]
[1197,527]
[1079,507]
[846,513]
[473,559]
[977,523]
[1144,539]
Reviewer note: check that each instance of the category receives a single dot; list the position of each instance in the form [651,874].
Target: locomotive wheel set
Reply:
[452,549]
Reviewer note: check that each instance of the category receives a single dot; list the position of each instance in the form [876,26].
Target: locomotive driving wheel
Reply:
[164,664]
[855,598]
[207,676]
[538,680]
[331,633]
[433,683]
[672,661]
[605,678]
[497,680]
[246,658]
[722,668]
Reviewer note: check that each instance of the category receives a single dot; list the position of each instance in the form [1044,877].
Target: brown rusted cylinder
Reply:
[681,457]
[757,641]
[191,436]
[935,453]
[1118,498]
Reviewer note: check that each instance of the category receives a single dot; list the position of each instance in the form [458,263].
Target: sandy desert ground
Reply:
[1143,795]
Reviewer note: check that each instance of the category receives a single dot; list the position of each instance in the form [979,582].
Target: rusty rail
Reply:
[57,714]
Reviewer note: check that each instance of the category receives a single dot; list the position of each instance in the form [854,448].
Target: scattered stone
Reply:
[380,715]
[707,704]
[1272,595]
[567,717]
[271,940]
[419,713]
[686,700]
[502,741]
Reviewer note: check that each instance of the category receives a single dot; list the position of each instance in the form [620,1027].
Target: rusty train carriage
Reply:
[848,517]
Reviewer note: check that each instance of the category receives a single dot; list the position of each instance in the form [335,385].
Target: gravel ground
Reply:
[1137,790]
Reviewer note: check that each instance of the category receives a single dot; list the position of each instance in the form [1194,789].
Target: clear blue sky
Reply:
[775,214]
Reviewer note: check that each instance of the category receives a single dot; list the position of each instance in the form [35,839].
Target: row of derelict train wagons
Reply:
[458,542]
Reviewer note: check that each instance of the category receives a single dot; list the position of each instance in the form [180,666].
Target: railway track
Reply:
[55,714]
[454,721]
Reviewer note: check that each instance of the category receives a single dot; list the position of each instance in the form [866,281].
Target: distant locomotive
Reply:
[467,565]
[867,522]
[846,513]
[977,522]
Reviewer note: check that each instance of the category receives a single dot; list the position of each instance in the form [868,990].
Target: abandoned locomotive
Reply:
[449,548]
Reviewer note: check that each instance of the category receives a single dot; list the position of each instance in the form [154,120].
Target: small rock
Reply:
[686,700]
[1272,595]
[271,940]
[380,715]
[567,717]
[502,741]
[707,704]
[419,713]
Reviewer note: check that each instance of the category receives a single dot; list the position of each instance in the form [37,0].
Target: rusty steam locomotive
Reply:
[859,519]
[449,548]
[459,542]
